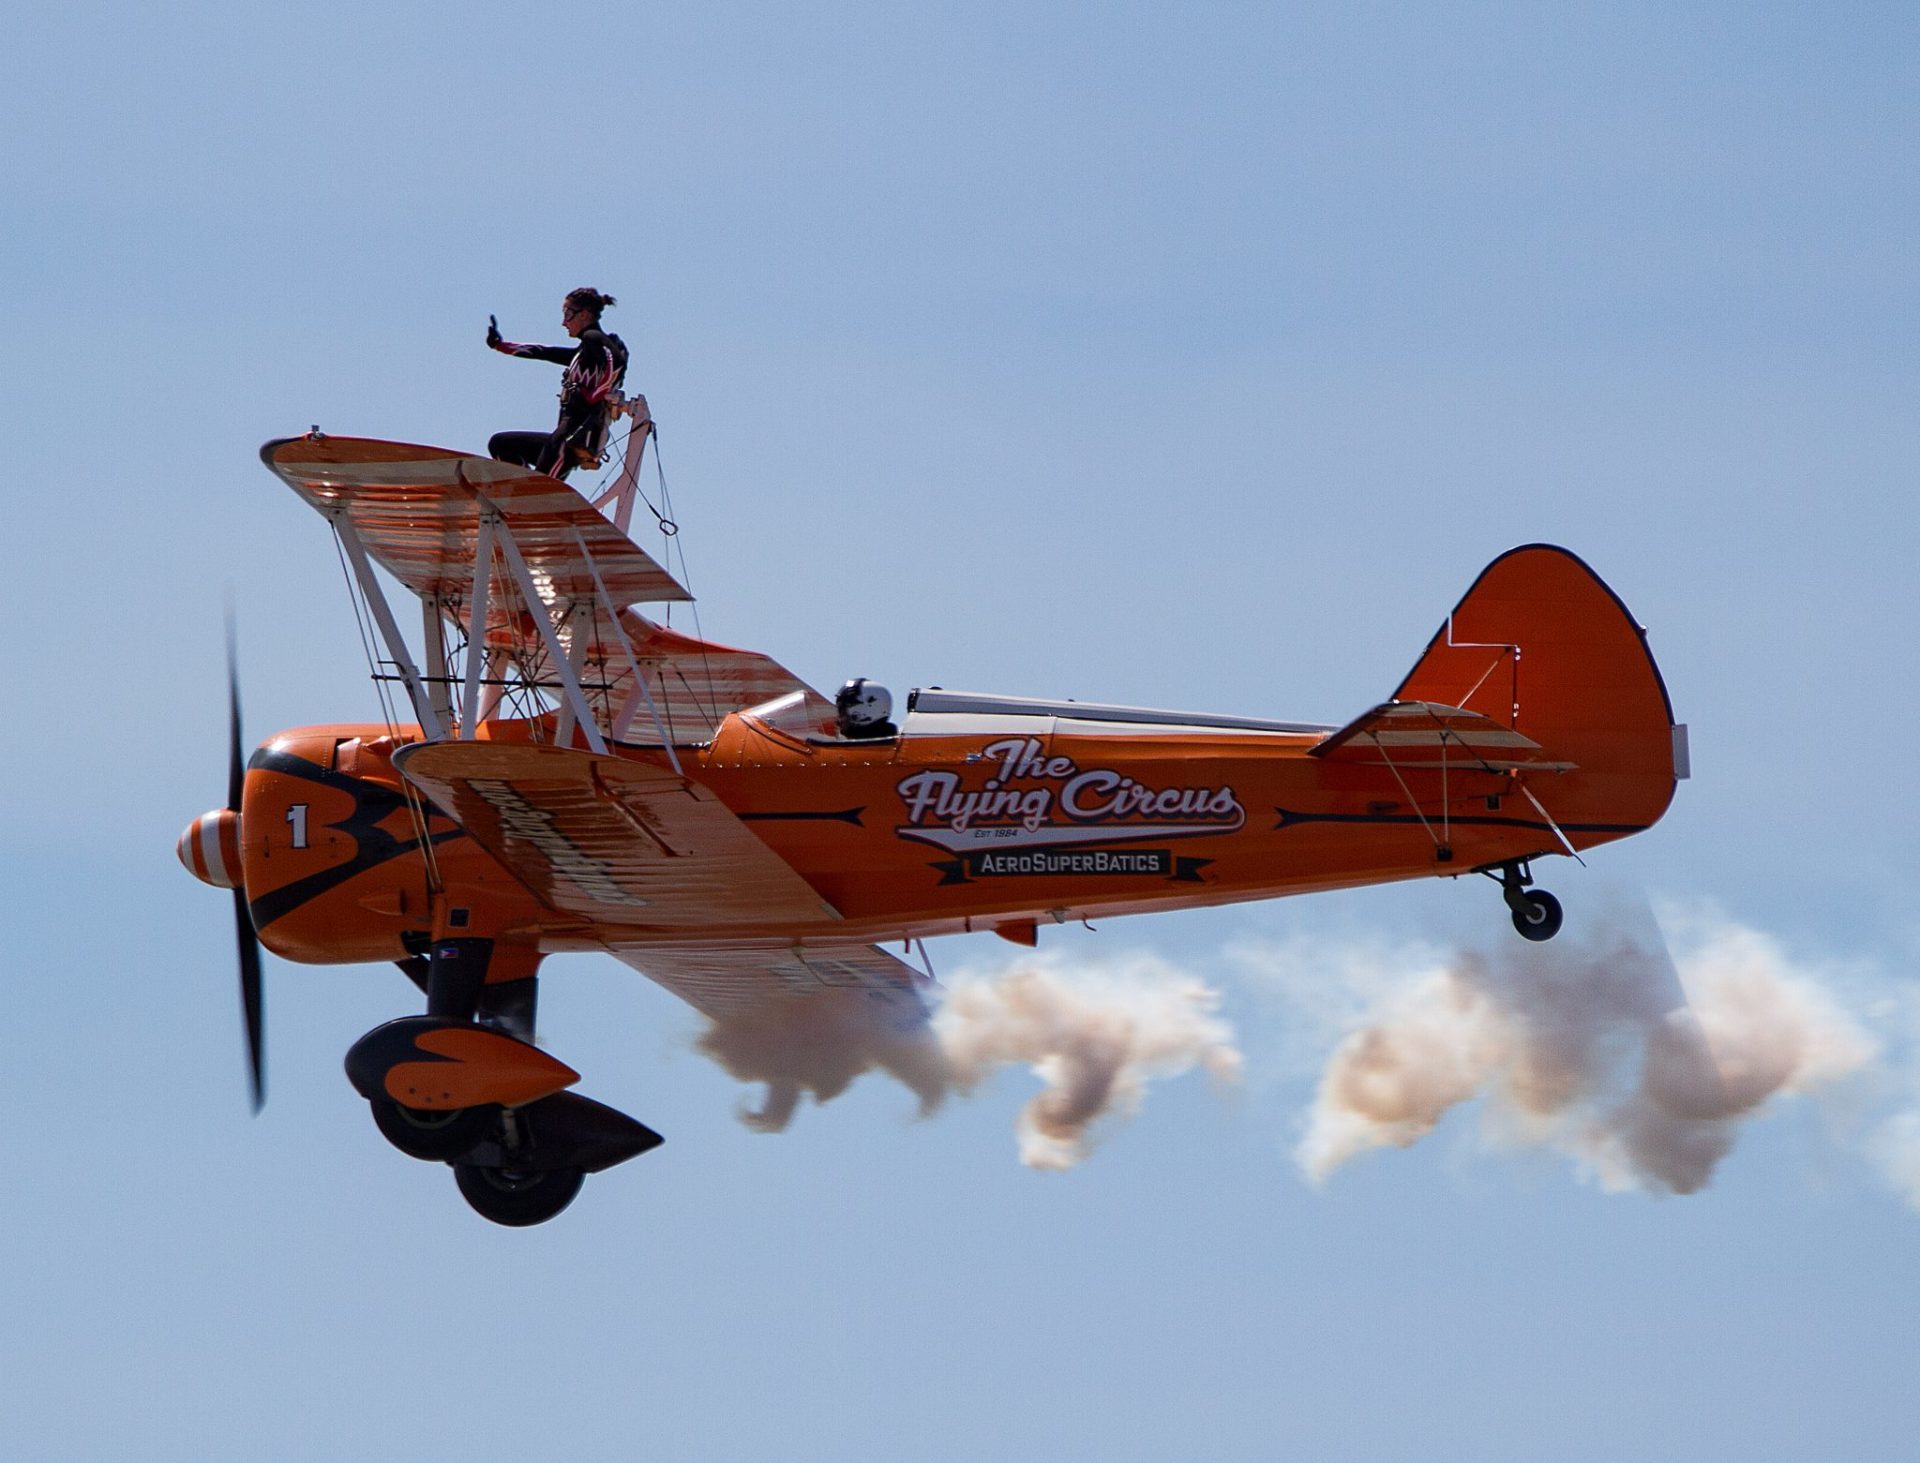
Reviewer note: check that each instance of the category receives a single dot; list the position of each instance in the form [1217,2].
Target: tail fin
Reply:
[1542,646]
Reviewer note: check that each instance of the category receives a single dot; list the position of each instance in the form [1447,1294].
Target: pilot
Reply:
[596,367]
[863,709]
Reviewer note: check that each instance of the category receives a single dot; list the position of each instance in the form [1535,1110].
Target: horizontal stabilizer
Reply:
[611,839]
[1427,734]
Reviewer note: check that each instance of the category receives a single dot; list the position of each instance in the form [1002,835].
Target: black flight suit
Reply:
[596,367]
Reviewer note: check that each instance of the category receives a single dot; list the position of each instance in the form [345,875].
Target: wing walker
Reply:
[579,777]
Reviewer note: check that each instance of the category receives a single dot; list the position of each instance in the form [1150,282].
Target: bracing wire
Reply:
[670,531]
[362,617]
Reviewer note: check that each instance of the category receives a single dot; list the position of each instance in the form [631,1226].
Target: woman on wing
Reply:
[596,367]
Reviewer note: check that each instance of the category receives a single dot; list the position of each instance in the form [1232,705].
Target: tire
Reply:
[517,1198]
[433,1135]
[1542,918]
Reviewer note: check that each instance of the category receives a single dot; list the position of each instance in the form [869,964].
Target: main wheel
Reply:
[1540,920]
[435,1135]
[517,1197]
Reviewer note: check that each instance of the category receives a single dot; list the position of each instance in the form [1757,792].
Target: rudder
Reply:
[1541,644]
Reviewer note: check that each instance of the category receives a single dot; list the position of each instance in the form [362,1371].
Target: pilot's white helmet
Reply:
[863,703]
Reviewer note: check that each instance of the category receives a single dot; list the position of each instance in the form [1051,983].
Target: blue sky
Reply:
[1190,356]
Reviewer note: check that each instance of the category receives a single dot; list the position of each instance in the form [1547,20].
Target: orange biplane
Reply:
[580,777]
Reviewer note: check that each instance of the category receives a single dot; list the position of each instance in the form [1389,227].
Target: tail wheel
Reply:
[517,1197]
[1536,914]
[437,1136]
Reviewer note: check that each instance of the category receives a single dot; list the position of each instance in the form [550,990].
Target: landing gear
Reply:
[465,1085]
[517,1197]
[1536,914]
[436,1136]
[540,1154]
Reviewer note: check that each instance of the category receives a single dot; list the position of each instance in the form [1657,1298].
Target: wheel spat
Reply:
[244,935]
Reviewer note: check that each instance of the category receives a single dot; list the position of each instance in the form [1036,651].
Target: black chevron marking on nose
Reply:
[373,845]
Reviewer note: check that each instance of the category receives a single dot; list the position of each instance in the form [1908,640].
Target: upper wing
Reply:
[1427,734]
[613,839]
[418,509]
[729,981]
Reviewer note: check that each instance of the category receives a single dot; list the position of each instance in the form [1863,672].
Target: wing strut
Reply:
[1441,844]
[433,629]
[543,622]
[1565,842]
[578,620]
[389,628]
[626,644]
[477,653]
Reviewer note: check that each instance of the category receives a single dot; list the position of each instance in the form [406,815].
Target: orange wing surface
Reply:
[612,839]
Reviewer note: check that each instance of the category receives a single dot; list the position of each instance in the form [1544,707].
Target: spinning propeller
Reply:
[243,932]
[210,848]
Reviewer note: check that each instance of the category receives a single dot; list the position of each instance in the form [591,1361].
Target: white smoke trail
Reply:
[1095,1036]
[819,1045]
[1599,1049]
[1639,1066]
